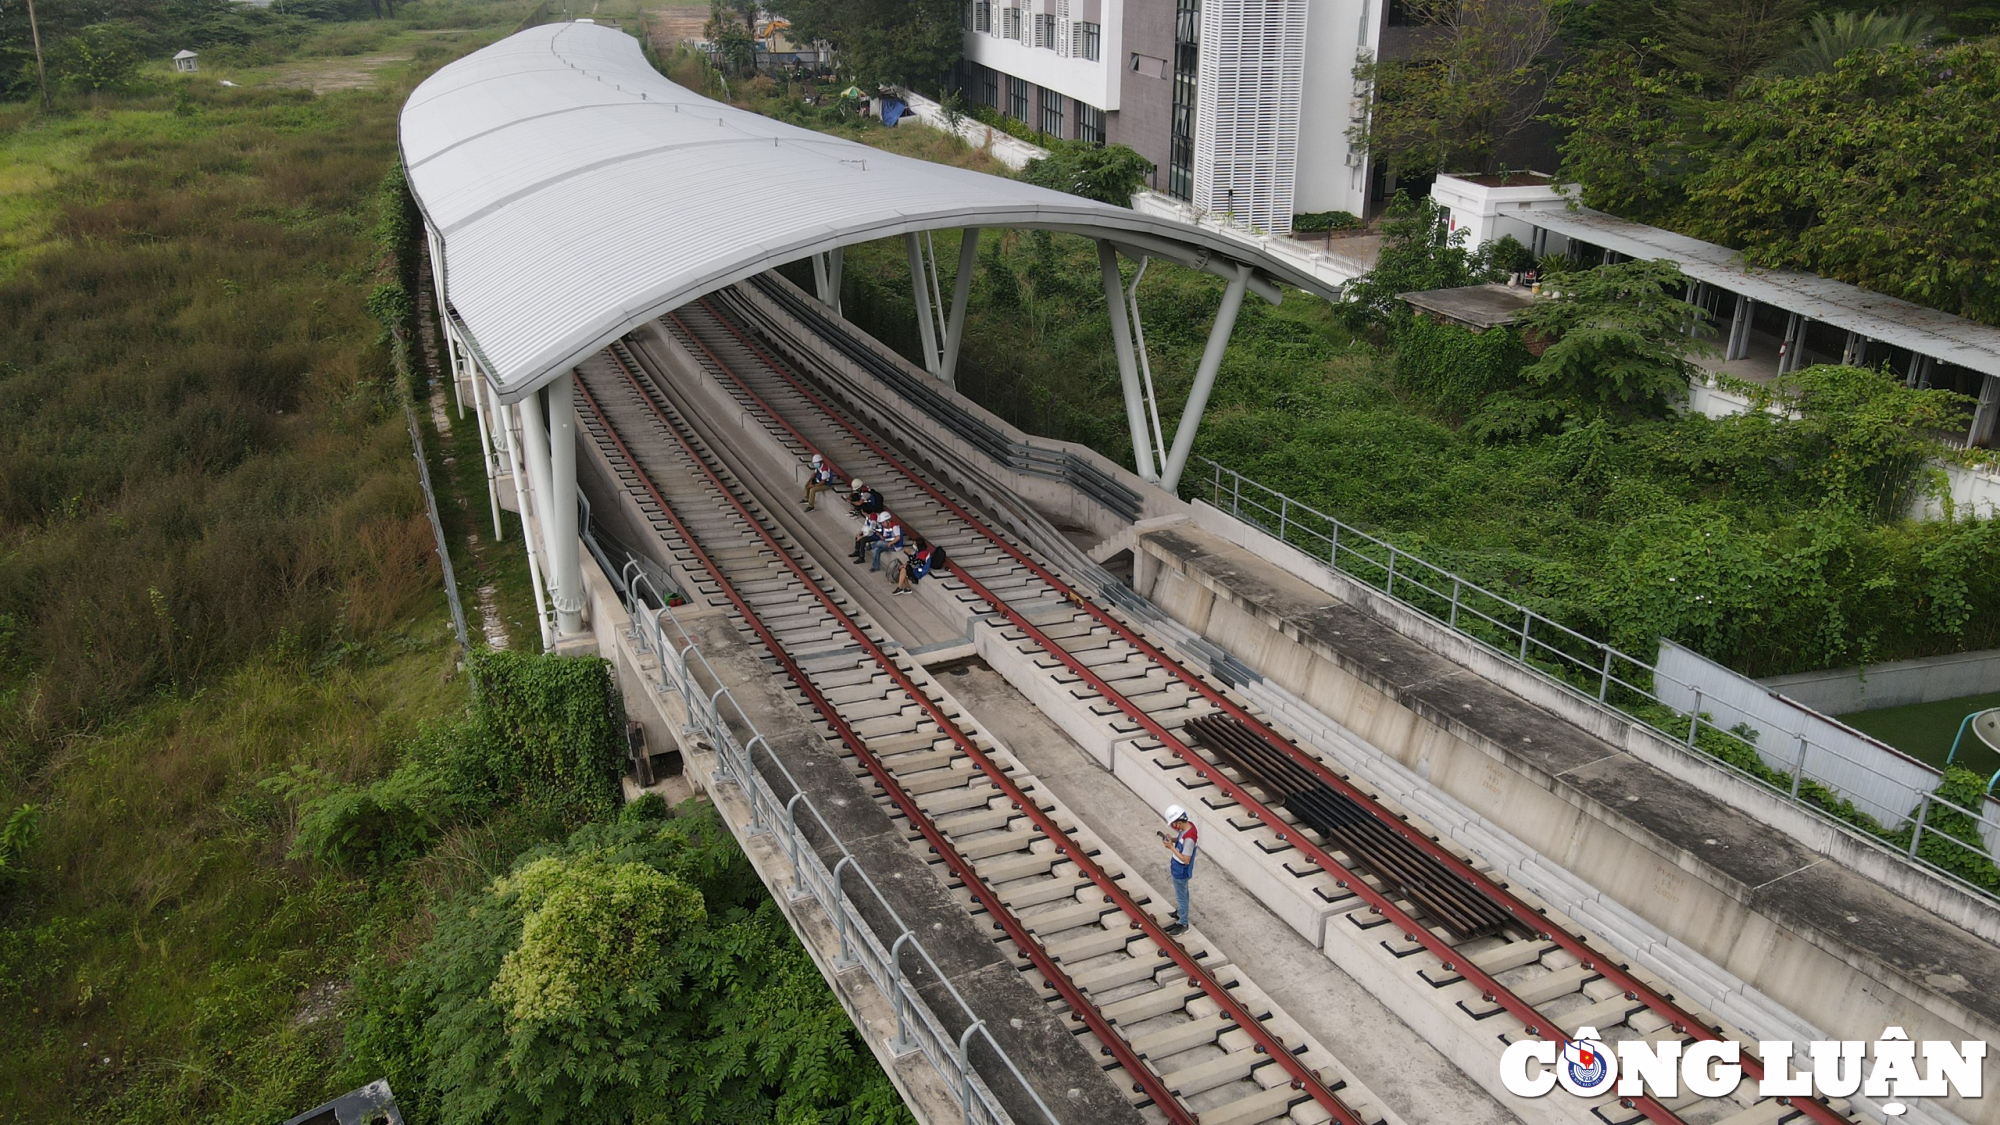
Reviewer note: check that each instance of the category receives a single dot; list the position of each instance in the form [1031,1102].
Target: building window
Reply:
[989,87]
[1089,124]
[1087,39]
[982,15]
[1045,31]
[1187,71]
[1017,98]
[1010,23]
[1052,111]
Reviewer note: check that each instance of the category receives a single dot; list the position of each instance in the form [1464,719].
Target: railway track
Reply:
[1490,949]
[1177,1028]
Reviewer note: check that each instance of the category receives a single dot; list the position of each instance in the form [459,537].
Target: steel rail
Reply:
[1682,1021]
[1145,1080]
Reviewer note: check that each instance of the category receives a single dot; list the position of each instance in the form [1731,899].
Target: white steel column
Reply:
[1145,363]
[1128,369]
[1204,377]
[920,289]
[833,263]
[961,293]
[562,508]
[1983,415]
[1739,328]
[485,449]
[1794,336]
[521,505]
[535,440]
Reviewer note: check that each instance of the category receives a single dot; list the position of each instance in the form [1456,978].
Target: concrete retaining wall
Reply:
[1838,691]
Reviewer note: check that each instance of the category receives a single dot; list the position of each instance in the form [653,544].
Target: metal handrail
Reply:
[1581,665]
[683,670]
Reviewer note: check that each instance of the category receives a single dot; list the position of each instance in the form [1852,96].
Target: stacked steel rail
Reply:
[964,864]
[1446,877]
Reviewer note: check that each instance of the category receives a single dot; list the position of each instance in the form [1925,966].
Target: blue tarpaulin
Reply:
[893,110]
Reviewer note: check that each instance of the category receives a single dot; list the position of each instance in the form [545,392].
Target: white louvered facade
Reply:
[1247,117]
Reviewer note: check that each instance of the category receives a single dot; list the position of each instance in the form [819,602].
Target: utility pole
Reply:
[41,75]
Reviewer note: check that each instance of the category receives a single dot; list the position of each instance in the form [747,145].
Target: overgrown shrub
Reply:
[543,737]
[637,971]
[1455,367]
[1106,173]
[1315,222]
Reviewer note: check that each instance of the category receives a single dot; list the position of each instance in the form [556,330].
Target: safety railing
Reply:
[685,671]
[1809,777]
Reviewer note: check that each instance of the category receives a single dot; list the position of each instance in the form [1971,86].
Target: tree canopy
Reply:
[894,42]
[1881,172]
[1106,173]
[635,973]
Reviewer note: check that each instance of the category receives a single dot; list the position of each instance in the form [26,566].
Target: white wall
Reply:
[1838,691]
[1336,30]
[1096,83]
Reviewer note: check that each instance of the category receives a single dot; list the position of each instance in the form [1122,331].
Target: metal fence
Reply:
[1611,678]
[839,889]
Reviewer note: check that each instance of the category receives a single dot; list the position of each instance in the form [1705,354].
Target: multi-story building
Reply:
[1243,106]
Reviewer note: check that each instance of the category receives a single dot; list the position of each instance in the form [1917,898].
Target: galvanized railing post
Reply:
[965,1068]
[845,917]
[1391,589]
[1923,812]
[1604,676]
[1527,620]
[1694,717]
[792,841]
[902,1044]
[1284,518]
[1799,768]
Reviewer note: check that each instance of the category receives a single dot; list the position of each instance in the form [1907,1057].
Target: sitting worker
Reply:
[820,478]
[871,529]
[863,499]
[888,540]
[925,560]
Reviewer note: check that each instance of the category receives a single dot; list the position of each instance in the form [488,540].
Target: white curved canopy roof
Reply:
[577,194]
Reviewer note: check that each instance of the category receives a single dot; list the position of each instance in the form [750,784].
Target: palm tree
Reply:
[1830,39]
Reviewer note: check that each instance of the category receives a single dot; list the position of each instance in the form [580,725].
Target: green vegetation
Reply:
[1107,173]
[637,971]
[1314,222]
[1771,543]
[1880,172]
[242,774]
[890,42]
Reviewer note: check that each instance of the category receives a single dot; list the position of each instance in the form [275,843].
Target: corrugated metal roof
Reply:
[1947,338]
[579,194]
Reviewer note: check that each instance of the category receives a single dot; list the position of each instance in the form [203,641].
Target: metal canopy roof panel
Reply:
[578,194]
[1951,339]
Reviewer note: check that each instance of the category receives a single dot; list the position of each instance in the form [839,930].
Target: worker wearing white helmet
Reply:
[819,478]
[1181,846]
[872,527]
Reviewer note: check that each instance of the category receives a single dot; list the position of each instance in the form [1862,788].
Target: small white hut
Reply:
[184,62]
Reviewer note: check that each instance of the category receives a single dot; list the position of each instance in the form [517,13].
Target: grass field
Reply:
[214,568]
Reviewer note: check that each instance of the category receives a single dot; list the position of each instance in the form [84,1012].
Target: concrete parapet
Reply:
[1766,894]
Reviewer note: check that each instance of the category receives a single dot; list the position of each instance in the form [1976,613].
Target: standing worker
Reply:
[820,478]
[1182,846]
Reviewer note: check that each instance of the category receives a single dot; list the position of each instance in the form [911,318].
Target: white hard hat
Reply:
[856,483]
[1174,813]
[881,517]
[818,460]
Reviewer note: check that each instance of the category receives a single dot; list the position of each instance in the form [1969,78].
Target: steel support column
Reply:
[1204,377]
[515,468]
[961,293]
[1981,431]
[564,558]
[485,448]
[1739,328]
[920,289]
[1128,367]
[541,489]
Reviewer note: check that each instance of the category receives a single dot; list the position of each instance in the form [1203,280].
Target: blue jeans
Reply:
[1181,898]
[875,552]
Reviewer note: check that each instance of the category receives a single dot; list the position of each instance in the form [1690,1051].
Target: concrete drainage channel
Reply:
[1528,965]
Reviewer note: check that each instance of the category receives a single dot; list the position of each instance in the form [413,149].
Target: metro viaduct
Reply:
[1415,852]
